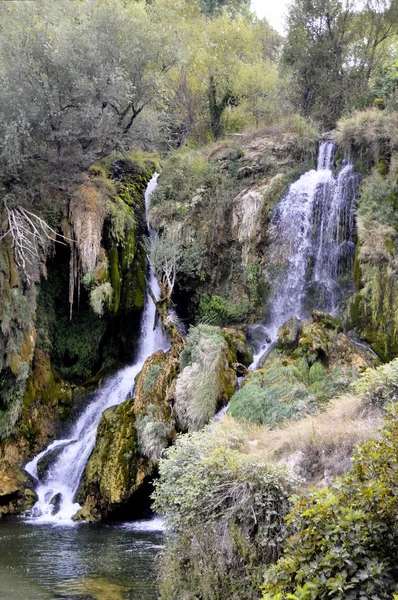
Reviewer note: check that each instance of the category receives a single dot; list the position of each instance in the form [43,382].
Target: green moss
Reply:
[357,268]
[111,472]
[151,377]
[355,311]
[115,277]
[129,250]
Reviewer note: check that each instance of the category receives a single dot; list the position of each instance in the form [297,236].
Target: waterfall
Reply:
[312,243]
[61,482]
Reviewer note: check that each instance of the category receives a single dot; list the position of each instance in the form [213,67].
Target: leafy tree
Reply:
[332,48]
[75,78]
[207,80]
[212,7]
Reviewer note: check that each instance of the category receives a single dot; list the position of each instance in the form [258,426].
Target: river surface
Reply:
[78,562]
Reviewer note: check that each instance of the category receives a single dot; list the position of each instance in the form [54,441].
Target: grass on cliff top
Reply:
[189,169]
[373,133]
[317,446]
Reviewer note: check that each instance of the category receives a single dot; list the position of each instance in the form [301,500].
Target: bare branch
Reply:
[30,236]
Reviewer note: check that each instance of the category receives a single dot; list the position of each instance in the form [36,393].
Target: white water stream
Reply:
[62,479]
[312,244]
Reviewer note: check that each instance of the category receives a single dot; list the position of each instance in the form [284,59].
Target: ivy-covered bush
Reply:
[225,513]
[344,540]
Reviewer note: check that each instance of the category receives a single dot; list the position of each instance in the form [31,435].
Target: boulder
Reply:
[257,337]
[237,343]
[288,334]
[16,492]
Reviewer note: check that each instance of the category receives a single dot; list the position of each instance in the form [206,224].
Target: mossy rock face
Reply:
[155,396]
[374,309]
[153,387]
[291,384]
[323,340]
[327,321]
[313,341]
[16,492]
[35,319]
[288,334]
[237,344]
[114,471]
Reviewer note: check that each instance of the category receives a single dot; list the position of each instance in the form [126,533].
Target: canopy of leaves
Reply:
[332,49]
[75,77]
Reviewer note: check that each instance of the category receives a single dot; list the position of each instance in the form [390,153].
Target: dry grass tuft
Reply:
[318,447]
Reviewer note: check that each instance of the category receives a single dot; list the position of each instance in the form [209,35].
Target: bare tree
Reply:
[165,254]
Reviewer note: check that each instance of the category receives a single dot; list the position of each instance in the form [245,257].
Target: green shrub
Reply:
[344,540]
[285,390]
[379,386]
[267,405]
[225,516]
[218,311]
[317,371]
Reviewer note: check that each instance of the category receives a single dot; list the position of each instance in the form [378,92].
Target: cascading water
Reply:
[312,244]
[60,484]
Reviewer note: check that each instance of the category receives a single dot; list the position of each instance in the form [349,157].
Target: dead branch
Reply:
[30,236]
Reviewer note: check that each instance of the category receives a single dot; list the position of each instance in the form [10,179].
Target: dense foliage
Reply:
[333,48]
[343,540]
[225,513]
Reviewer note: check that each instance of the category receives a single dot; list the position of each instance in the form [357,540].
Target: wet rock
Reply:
[257,337]
[114,471]
[240,370]
[45,463]
[267,354]
[16,492]
[89,511]
[56,503]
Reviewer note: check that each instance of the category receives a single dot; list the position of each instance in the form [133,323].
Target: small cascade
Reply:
[57,491]
[312,245]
